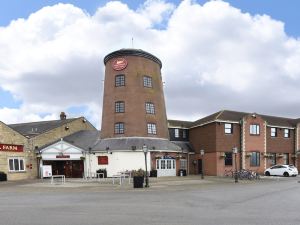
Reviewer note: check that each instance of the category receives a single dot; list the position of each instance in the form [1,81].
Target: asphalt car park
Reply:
[167,201]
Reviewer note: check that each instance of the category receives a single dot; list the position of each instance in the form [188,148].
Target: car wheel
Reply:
[286,174]
[267,173]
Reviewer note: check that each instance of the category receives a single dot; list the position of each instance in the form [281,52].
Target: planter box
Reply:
[138,182]
[3,176]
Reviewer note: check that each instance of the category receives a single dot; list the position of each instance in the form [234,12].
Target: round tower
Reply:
[133,100]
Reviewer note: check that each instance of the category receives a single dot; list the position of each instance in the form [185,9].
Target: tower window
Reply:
[119,107]
[150,109]
[151,127]
[120,80]
[119,128]
[148,81]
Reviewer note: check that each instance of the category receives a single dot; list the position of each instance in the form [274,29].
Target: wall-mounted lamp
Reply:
[67,127]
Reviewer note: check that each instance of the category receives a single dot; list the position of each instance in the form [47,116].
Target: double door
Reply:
[166,167]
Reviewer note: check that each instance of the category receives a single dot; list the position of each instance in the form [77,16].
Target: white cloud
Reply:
[214,57]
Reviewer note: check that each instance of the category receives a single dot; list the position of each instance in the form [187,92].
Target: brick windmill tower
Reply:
[133,101]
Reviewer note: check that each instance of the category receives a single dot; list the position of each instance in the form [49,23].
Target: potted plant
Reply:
[138,178]
[102,171]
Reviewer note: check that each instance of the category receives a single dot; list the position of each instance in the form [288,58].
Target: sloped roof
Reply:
[135,142]
[179,123]
[36,128]
[234,116]
[84,139]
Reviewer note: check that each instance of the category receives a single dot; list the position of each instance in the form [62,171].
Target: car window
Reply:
[275,167]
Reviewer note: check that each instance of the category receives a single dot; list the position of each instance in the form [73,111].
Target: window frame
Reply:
[119,107]
[147,81]
[176,133]
[255,161]
[151,128]
[272,159]
[19,165]
[288,134]
[254,129]
[119,128]
[184,134]
[286,159]
[228,130]
[273,132]
[120,80]
[150,108]
[183,164]
[227,160]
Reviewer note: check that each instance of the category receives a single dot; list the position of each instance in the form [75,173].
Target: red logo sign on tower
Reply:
[119,64]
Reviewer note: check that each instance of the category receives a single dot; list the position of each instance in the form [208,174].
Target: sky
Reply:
[237,55]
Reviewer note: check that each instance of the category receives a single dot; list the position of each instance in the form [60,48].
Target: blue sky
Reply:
[286,11]
[23,81]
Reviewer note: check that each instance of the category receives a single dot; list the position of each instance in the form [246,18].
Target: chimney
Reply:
[63,116]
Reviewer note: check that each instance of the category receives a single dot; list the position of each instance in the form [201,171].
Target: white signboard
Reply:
[47,170]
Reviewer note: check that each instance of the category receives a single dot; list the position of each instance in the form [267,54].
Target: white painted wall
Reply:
[119,161]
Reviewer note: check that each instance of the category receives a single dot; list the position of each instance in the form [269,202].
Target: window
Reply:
[183,164]
[163,164]
[151,127]
[273,132]
[102,160]
[120,80]
[286,158]
[169,164]
[119,128]
[228,158]
[228,128]
[148,81]
[286,133]
[150,108]
[254,129]
[184,134]
[272,159]
[255,159]
[16,164]
[176,133]
[119,107]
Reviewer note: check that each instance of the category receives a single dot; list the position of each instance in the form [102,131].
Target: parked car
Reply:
[282,170]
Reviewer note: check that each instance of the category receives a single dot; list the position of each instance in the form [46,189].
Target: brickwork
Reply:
[60,132]
[9,136]
[225,142]
[134,95]
[204,137]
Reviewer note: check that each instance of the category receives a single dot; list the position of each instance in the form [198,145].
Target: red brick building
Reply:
[261,141]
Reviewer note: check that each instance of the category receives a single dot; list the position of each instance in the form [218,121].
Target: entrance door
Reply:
[166,167]
[69,168]
[199,166]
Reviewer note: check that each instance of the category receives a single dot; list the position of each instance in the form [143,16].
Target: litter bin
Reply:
[182,172]
[3,176]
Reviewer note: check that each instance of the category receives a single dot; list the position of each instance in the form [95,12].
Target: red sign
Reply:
[11,148]
[62,156]
[102,160]
[119,64]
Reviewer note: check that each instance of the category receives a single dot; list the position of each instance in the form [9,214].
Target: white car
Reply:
[282,170]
